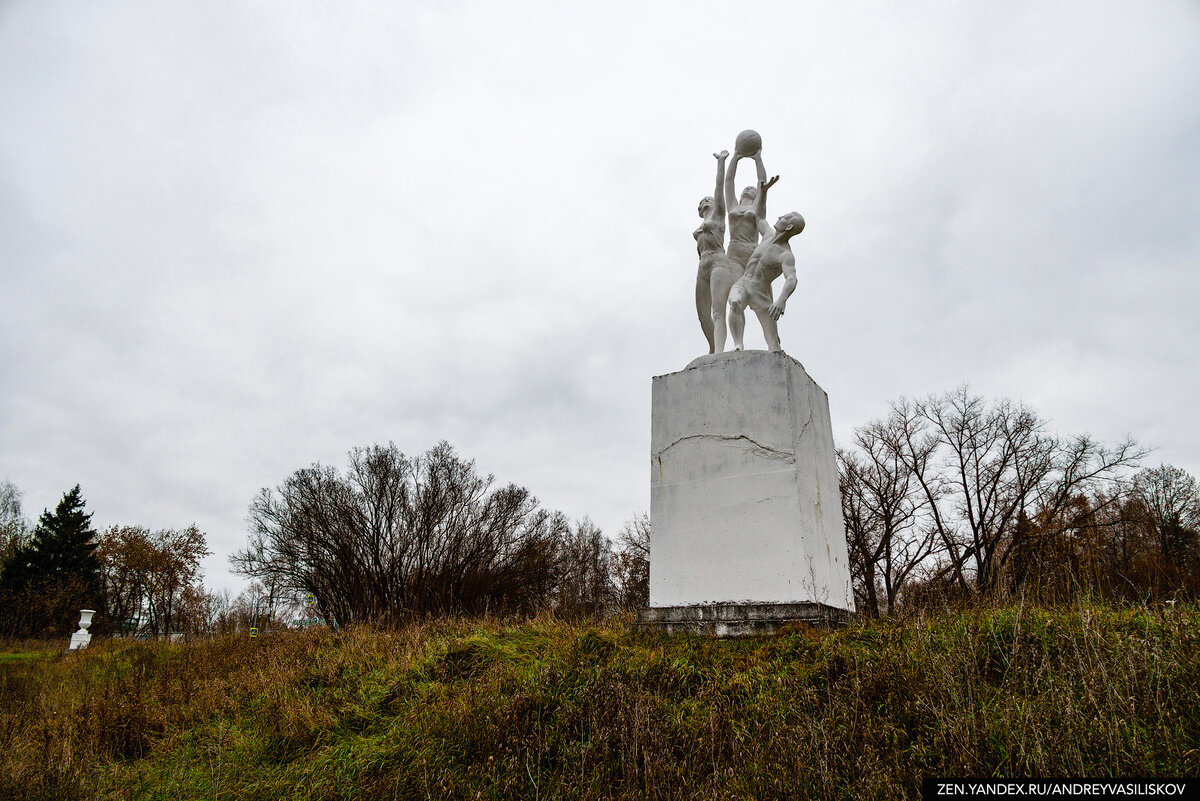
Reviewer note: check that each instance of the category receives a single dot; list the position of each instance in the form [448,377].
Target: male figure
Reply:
[772,257]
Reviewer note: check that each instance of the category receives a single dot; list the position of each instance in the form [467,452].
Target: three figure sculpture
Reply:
[741,275]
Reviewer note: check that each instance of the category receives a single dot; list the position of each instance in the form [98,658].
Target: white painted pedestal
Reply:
[746,517]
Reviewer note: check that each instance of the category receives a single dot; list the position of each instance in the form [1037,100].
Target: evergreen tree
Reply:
[63,542]
[45,583]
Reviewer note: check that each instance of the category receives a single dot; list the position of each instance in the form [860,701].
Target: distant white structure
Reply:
[81,638]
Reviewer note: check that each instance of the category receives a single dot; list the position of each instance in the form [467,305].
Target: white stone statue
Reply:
[744,213]
[717,272]
[722,268]
[81,638]
[745,506]
[771,258]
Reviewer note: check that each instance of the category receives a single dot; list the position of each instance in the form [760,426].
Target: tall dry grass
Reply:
[547,709]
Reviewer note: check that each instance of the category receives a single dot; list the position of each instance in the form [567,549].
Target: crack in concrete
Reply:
[804,428]
[767,450]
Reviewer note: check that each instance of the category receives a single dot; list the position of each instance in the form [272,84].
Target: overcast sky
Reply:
[239,238]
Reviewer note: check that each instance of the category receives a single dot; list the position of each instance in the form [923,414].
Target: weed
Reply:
[591,710]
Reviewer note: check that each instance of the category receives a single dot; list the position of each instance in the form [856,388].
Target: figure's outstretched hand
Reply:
[724,154]
[776,310]
[763,186]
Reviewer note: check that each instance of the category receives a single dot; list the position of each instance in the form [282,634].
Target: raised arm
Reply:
[730,189]
[719,192]
[760,205]
[761,209]
[788,265]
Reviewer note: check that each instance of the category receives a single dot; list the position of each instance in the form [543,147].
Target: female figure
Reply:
[717,271]
[744,214]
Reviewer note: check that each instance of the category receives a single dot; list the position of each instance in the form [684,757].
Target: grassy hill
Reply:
[547,709]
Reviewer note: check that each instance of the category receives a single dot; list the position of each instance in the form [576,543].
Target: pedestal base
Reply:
[746,516]
[737,620]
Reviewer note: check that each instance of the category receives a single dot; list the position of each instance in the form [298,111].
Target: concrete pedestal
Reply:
[746,517]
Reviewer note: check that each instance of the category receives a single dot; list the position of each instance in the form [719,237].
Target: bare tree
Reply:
[631,563]
[223,614]
[862,532]
[14,528]
[585,581]
[397,536]
[1122,545]
[968,490]
[1169,502]
[985,466]
[882,506]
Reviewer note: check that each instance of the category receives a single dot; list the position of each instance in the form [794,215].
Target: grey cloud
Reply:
[237,239]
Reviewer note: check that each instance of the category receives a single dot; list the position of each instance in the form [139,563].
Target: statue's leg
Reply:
[737,319]
[722,281]
[704,310]
[770,330]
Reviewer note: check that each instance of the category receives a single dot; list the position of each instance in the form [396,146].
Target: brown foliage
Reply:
[152,579]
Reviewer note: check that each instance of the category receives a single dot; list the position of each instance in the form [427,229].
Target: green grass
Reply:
[547,709]
[22,656]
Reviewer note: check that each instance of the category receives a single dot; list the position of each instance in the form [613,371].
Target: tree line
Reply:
[397,536]
[141,582]
[948,497]
[391,538]
[956,496]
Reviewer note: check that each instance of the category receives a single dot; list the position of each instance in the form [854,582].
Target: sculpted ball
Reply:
[748,143]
